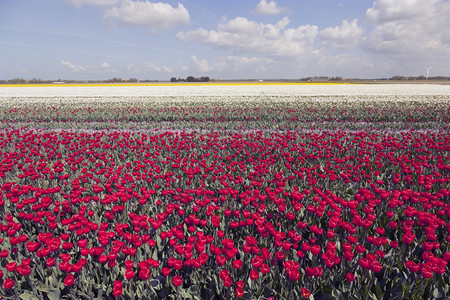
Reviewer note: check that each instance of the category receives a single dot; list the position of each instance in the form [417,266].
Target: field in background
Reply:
[225,191]
[247,82]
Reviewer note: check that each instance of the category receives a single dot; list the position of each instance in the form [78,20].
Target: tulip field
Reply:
[225,192]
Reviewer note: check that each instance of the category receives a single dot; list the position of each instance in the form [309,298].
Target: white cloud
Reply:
[167,69]
[445,37]
[147,67]
[346,64]
[395,10]
[131,67]
[409,29]
[345,36]
[184,68]
[232,64]
[157,16]
[202,64]
[242,63]
[268,8]
[243,35]
[101,3]
[102,68]
[72,67]
[151,67]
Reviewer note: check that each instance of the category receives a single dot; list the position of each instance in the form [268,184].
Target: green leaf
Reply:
[438,293]
[27,296]
[155,254]
[54,294]
[372,295]
[396,292]
[378,292]
[193,290]
[337,295]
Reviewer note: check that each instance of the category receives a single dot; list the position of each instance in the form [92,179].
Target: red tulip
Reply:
[69,280]
[221,260]
[237,264]
[4,253]
[294,275]
[305,293]
[82,243]
[426,273]
[315,249]
[265,268]
[177,280]
[350,277]
[8,284]
[223,274]
[364,262]
[129,274]
[412,266]
[227,282]
[239,292]
[117,288]
[408,238]
[11,267]
[228,244]
[254,274]
[144,273]
[240,284]
[375,266]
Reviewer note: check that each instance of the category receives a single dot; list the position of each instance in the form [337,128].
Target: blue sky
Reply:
[233,39]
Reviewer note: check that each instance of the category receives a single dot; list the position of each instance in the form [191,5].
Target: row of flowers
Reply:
[280,113]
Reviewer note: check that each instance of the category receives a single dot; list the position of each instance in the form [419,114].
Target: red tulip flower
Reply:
[144,273]
[412,266]
[129,274]
[8,284]
[254,274]
[350,277]
[177,280]
[166,271]
[69,280]
[305,293]
[117,288]
[11,267]
[239,292]
[237,264]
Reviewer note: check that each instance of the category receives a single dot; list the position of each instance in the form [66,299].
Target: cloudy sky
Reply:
[233,39]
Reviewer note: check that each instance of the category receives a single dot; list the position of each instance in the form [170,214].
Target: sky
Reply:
[233,39]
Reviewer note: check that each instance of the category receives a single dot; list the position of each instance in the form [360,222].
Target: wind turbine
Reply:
[428,72]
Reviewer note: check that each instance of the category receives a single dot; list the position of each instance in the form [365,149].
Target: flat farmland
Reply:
[225,191]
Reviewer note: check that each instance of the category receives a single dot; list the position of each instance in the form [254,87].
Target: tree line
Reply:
[190,79]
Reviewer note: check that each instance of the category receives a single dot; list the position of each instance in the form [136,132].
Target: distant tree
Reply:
[132,80]
[173,79]
[397,77]
[204,79]
[191,79]
[17,80]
